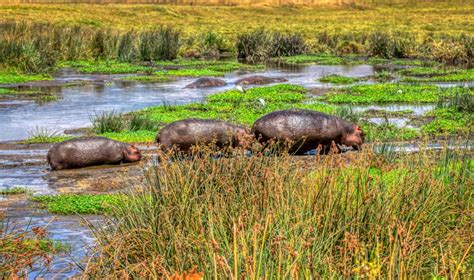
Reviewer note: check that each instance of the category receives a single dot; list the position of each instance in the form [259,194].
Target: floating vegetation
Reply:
[338,80]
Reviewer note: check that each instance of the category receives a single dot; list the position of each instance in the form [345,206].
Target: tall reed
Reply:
[353,215]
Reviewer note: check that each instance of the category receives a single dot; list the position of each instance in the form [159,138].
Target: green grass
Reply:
[12,77]
[386,93]
[140,136]
[69,204]
[387,132]
[338,80]
[105,67]
[149,79]
[14,190]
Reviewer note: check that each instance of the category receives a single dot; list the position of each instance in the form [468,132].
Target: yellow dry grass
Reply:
[438,17]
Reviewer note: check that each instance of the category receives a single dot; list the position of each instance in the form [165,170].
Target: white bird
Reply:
[240,88]
[262,102]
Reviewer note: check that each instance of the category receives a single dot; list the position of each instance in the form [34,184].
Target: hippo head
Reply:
[131,154]
[353,137]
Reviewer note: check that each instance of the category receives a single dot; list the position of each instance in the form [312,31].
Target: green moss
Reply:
[67,204]
[448,120]
[14,190]
[11,77]
[149,79]
[384,93]
[338,80]
[140,136]
[105,67]
[45,139]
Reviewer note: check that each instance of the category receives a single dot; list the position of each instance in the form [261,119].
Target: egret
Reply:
[262,102]
[240,88]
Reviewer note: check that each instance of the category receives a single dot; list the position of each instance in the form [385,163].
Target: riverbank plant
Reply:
[391,215]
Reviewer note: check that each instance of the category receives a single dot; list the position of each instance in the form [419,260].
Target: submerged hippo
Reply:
[306,130]
[207,82]
[90,151]
[259,80]
[184,134]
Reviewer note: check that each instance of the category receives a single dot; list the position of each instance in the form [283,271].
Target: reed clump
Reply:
[350,215]
[38,47]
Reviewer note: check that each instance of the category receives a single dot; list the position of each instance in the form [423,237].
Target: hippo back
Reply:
[295,125]
[83,152]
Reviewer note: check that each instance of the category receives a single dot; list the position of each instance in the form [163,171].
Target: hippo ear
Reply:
[357,128]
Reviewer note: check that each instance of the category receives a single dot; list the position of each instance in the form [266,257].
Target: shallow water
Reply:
[71,231]
[78,103]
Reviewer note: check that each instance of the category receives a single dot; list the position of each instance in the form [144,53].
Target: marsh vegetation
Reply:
[383,212]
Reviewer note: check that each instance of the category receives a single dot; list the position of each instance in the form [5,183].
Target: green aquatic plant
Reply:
[449,121]
[278,93]
[322,59]
[338,80]
[105,67]
[459,75]
[15,77]
[73,204]
[384,93]
[14,190]
[190,73]
[149,79]
[135,136]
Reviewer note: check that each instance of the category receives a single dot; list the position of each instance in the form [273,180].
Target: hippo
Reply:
[184,134]
[207,82]
[259,80]
[306,130]
[90,151]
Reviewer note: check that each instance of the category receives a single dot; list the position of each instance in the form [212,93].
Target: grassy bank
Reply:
[357,215]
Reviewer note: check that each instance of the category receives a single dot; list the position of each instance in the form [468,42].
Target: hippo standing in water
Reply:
[307,130]
[207,82]
[187,133]
[90,151]
[259,80]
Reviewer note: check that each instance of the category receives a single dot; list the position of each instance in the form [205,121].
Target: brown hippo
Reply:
[184,134]
[207,82]
[306,130]
[90,151]
[259,80]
